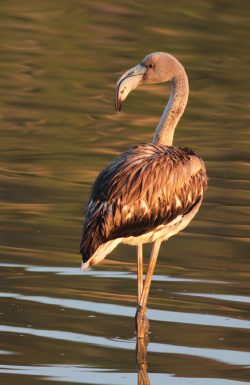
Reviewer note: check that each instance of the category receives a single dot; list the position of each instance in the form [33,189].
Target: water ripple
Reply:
[230,357]
[6,352]
[82,374]
[60,270]
[223,297]
[128,311]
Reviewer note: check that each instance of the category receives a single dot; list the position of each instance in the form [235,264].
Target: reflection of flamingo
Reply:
[150,192]
[141,361]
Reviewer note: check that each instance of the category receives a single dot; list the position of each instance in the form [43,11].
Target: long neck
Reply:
[175,107]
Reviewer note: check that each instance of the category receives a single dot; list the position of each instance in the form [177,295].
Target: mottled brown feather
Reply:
[149,175]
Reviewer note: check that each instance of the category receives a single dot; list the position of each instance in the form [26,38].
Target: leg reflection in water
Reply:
[141,360]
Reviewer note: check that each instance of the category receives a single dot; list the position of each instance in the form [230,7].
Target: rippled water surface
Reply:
[59,63]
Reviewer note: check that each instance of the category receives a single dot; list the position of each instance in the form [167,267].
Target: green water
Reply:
[59,62]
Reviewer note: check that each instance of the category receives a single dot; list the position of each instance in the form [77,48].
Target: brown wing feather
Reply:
[142,188]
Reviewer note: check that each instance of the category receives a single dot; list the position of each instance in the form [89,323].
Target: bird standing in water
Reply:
[150,192]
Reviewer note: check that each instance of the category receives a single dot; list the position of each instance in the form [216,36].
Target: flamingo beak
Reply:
[127,83]
[84,266]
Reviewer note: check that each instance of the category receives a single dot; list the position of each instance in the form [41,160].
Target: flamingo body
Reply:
[148,193]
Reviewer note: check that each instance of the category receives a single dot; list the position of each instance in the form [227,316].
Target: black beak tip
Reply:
[118,106]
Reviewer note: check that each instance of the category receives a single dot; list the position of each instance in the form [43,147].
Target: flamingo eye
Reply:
[150,66]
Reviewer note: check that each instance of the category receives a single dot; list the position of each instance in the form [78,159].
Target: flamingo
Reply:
[150,192]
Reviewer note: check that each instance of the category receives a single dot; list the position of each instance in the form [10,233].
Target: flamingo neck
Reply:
[174,109]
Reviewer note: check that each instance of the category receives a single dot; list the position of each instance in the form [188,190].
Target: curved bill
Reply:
[128,82]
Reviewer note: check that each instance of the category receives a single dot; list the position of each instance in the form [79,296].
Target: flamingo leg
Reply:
[148,279]
[141,319]
[139,271]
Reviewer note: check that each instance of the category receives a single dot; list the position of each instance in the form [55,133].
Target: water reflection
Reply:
[59,63]
[222,297]
[91,375]
[141,360]
[60,270]
[220,355]
[127,311]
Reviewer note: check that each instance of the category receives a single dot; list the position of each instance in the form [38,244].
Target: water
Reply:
[59,63]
